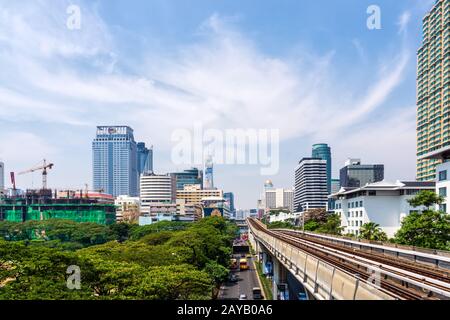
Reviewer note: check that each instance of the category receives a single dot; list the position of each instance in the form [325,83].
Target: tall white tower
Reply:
[208,181]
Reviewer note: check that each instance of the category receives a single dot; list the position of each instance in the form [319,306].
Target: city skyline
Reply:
[83,78]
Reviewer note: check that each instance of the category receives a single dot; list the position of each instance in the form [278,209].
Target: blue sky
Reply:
[311,69]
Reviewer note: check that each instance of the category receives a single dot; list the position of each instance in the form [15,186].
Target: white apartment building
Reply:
[383,202]
[156,188]
[128,208]
[279,198]
[283,216]
[443,185]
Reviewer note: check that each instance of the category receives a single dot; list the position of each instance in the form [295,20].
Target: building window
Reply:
[443,207]
[361,204]
[443,192]
[442,175]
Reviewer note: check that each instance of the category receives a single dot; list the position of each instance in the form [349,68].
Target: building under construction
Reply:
[44,205]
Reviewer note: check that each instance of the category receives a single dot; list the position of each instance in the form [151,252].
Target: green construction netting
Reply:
[13,216]
[86,215]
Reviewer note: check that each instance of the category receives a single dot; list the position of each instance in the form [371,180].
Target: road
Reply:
[247,280]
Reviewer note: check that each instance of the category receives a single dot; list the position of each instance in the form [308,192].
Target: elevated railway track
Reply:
[392,277]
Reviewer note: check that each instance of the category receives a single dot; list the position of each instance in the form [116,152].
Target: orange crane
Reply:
[46,166]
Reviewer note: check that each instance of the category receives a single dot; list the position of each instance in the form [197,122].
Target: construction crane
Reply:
[46,166]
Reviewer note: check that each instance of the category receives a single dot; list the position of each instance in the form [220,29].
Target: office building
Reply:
[310,184]
[188,177]
[382,202]
[115,161]
[277,198]
[355,174]
[156,188]
[144,158]
[2,176]
[194,194]
[443,186]
[178,208]
[209,174]
[433,114]
[335,185]
[229,199]
[323,151]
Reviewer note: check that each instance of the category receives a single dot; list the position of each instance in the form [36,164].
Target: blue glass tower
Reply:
[114,155]
[323,151]
[144,158]
[229,198]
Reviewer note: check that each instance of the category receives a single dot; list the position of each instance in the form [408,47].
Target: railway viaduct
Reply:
[335,268]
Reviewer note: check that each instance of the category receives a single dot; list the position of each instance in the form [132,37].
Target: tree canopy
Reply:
[372,231]
[167,260]
[427,229]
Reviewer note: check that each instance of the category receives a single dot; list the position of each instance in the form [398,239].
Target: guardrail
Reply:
[438,258]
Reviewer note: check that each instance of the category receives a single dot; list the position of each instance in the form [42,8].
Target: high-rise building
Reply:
[356,175]
[279,198]
[433,116]
[335,185]
[229,199]
[2,176]
[144,158]
[186,177]
[156,188]
[323,151]
[115,161]
[310,184]
[194,194]
[209,174]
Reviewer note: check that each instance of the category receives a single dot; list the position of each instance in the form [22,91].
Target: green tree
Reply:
[425,198]
[372,231]
[332,225]
[428,229]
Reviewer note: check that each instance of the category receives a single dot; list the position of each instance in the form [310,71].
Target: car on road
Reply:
[257,294]
[234,278]
[242,297]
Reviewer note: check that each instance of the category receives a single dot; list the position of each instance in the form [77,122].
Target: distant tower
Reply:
[2,176]
[114,155]
[268,185]
[208,182]
[323,151]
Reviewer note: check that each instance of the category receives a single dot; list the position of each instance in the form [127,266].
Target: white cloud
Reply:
[53,75]
[403,22]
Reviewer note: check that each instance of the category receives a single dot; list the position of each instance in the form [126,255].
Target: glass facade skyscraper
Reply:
[114,153]
[229,199]
[144,158]
[323,151]
[356,175]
